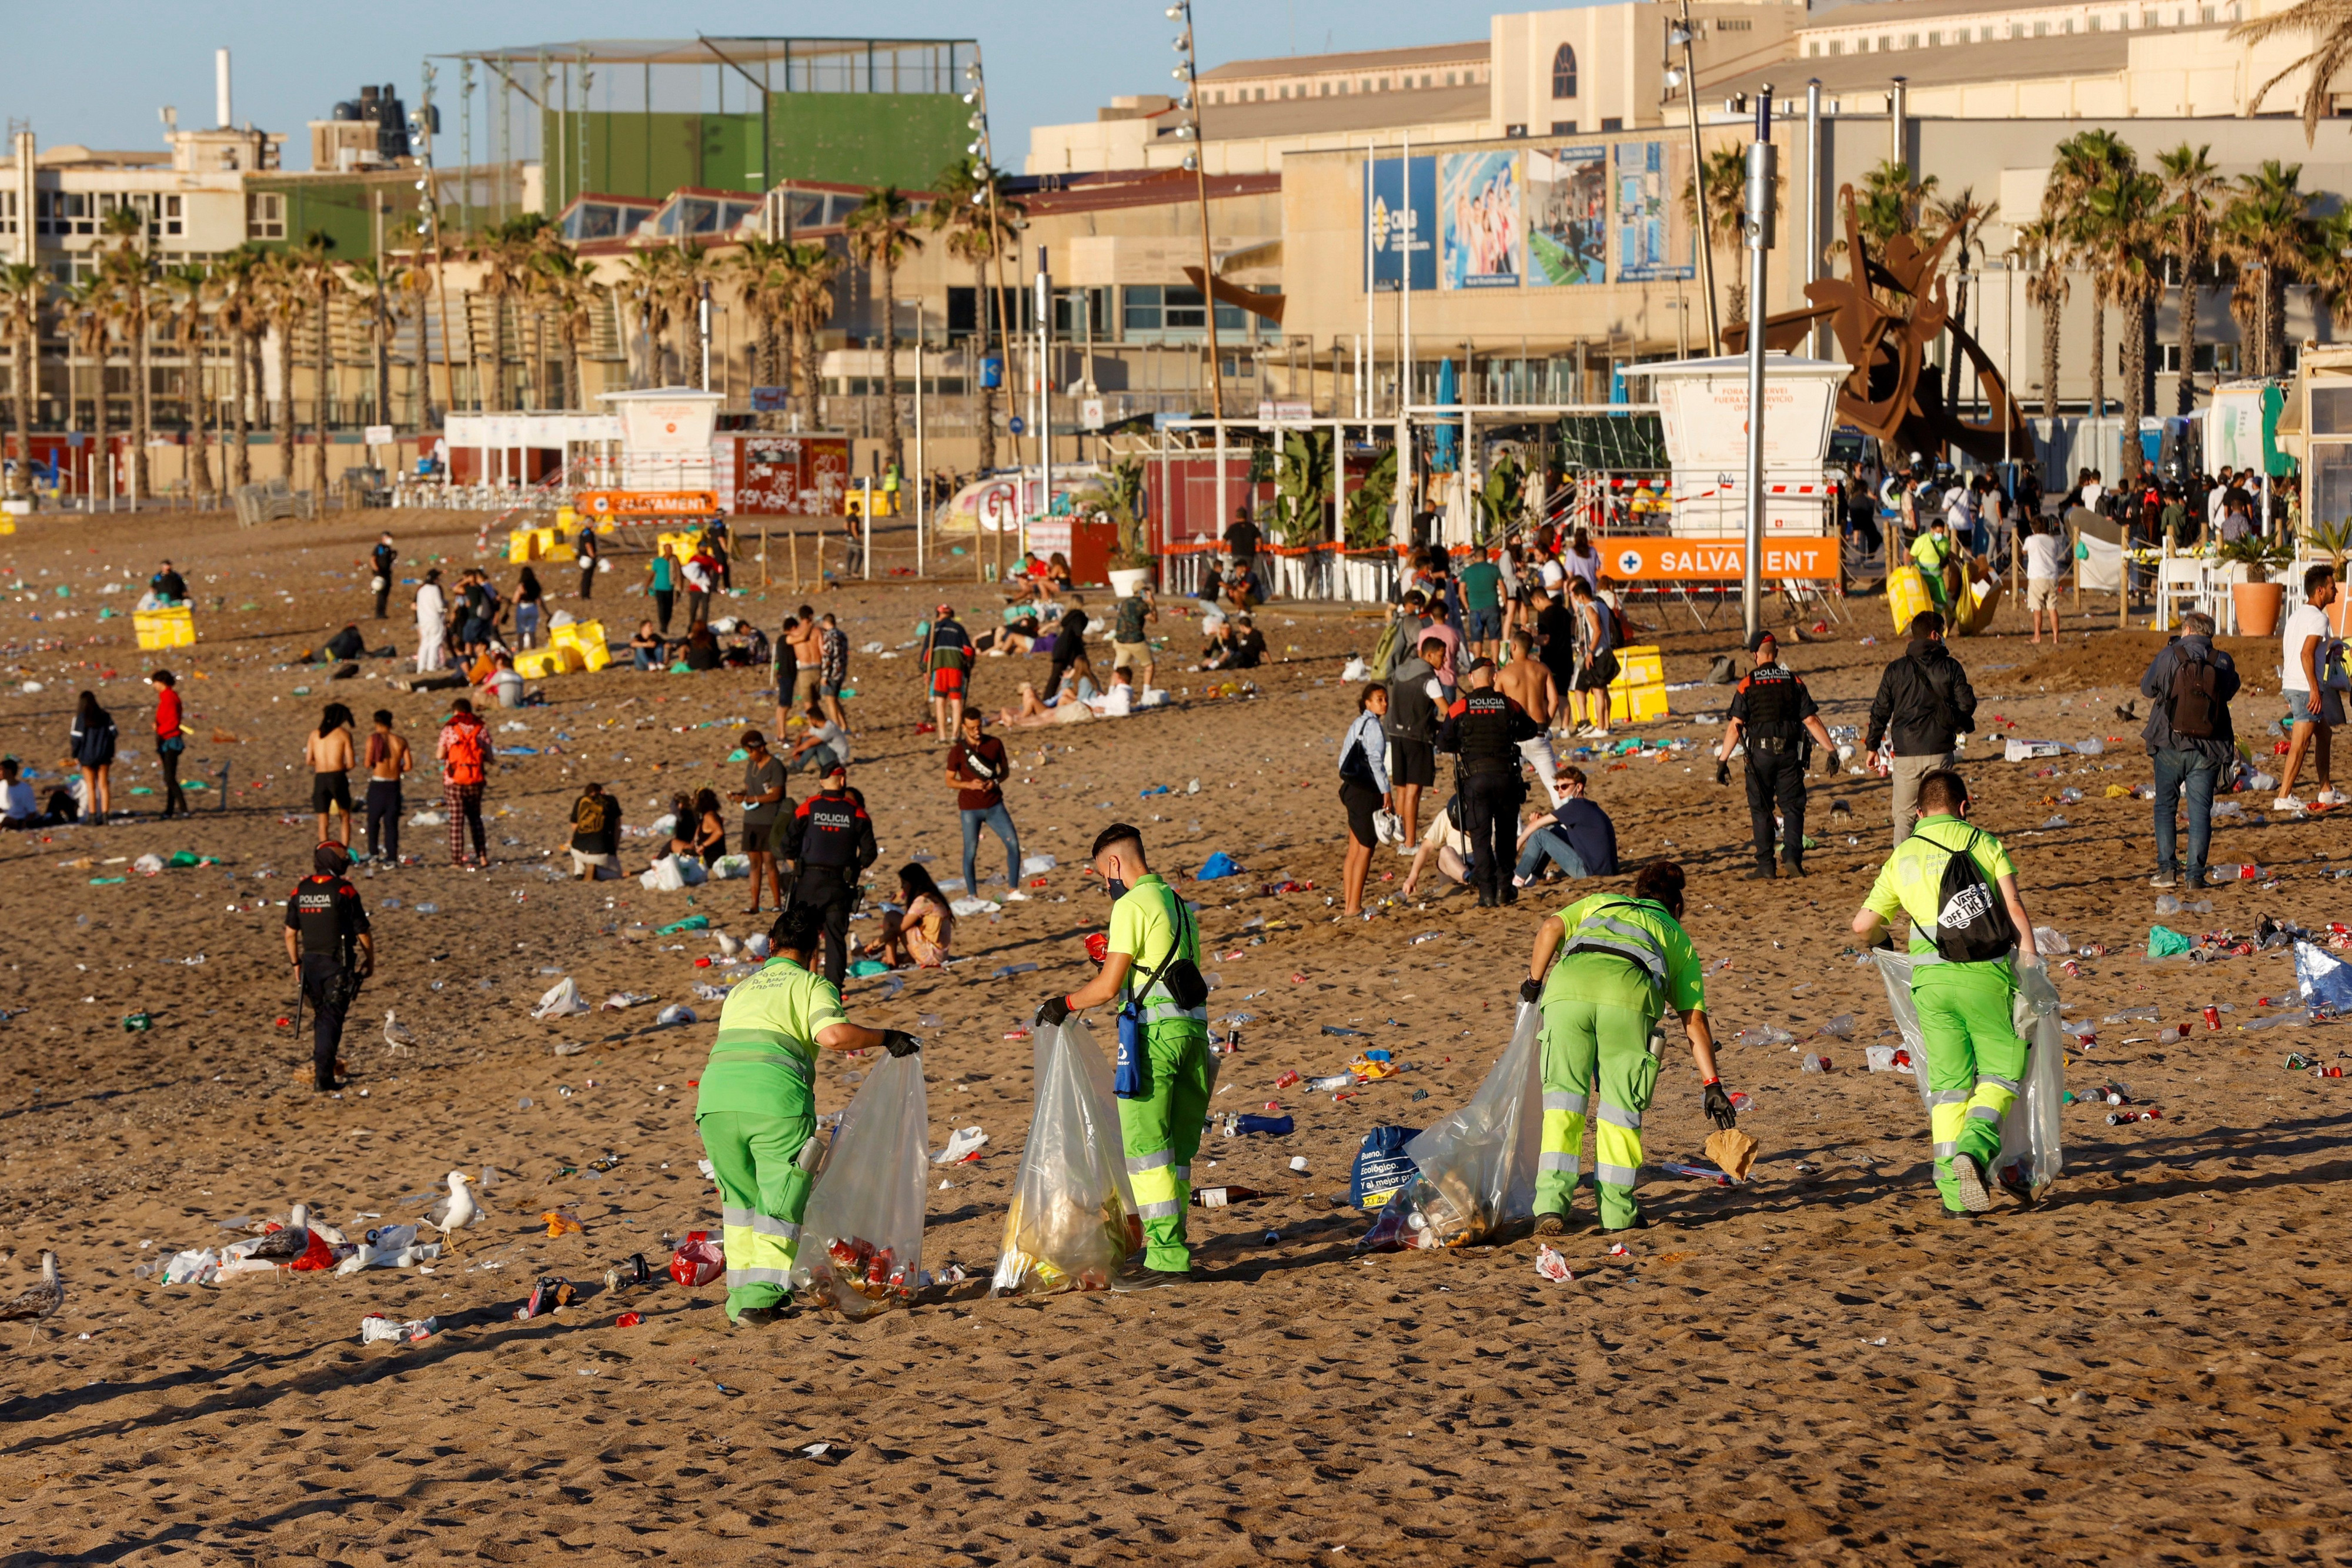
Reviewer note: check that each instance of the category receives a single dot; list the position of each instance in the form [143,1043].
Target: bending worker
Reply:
[333,950]
[1622,963]
[1772,708]
[1164,1087]
[756,1111]
[1963,984]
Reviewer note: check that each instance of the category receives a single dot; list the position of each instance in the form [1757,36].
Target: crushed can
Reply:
[630,1270]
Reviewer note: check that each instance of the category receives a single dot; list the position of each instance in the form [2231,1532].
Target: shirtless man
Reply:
[388,758]
[329,753]
[808,647]
[1527,683]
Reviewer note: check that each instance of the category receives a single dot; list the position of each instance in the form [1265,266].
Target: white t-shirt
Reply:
[2045,558]
[1553,576]
[2214,501]
[1117,703]
[20,804]
[2092,495]
[2303,624]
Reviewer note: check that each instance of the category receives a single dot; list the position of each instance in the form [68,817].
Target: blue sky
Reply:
[95,71]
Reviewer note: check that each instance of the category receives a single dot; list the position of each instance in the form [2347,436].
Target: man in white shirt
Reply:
[2045,563]
[2092,491]
[1961,516]
[2301,679]
[2215,499]
[1120,701]
[18,809]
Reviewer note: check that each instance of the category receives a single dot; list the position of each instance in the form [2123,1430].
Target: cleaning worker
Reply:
[757,1110]
[1930,552]
[1960,887]
[1164,1076]
[1775,713]
[1622,963]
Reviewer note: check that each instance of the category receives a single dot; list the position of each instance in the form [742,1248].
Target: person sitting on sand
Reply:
[701,650]
[504,688]
[647,648]
[1119,702]
[1447,843]
[921,933]
[698,827]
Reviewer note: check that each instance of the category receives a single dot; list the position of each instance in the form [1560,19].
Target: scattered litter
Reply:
[561,1000]
[377,1329]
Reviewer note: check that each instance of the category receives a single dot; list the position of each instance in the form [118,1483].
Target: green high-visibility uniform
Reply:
[756,1113]
[1162,1130]
[1624,962]
[1976,1062]
[1929,554]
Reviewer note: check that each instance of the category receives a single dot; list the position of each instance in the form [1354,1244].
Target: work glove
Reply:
[1530,991]
[1054,1011]
[899,1042]
[1828,760]
[1716,1104]
[1722,770]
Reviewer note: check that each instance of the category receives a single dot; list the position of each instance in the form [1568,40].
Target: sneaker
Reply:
[1975,1197]
[2164,879]
[2286,803]
[2331,798]
[1148,1279]
[1954,1213]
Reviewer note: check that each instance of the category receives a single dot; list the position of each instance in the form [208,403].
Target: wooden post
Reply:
[796,560]
[2074,557]
[764,555]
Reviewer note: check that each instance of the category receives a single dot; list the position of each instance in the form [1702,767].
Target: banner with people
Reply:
[1479,198]
[1567,217]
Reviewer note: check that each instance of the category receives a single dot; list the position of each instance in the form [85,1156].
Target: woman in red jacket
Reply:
[170,741]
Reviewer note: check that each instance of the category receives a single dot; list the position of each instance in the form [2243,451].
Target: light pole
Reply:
[980,146]
[1189,73]
[1763,172]
[1682,35]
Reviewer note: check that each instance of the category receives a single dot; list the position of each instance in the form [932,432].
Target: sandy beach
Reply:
[2150,1365]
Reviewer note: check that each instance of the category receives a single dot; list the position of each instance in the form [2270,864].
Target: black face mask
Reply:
[1115,887]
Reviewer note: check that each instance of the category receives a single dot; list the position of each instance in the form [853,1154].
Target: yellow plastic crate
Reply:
[586,639]
[1907,597]
[540,544]
[174,627]
[681,543]
[1638,695]
[537,663]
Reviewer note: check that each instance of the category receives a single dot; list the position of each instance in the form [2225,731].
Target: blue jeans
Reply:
[999,821]
[1552,844]
[2179,773]
[527,625]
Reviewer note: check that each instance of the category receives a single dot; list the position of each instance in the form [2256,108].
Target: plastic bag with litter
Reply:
[562,999]
[2030,1156]
[862,1237]
[1477,1165]
[1073,1218]
[2324,979]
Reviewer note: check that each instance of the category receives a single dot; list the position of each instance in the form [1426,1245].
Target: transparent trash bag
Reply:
[1476,1168]
[2031,1155]
[663,877]
[862,1237]
[2324,979]
[1073,1218]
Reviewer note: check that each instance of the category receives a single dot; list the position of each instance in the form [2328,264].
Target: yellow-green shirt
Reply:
[1911,882]
[1684,984]
[764,1059]
[1144,925]
[1930,553]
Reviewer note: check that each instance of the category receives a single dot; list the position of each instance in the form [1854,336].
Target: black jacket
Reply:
[2157,684]
[1923,701]
[1411,715]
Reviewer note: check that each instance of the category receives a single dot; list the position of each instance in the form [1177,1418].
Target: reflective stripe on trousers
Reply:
[1154,1178]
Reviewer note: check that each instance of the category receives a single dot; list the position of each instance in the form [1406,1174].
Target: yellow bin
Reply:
[537,663]
[173,627]
[1638,695]
[681,543]
[1907,596]
[585,640]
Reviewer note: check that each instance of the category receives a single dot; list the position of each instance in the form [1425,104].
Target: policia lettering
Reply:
[1152,934]
[1774,711]
[1976,1062]
[757,1113]
[333,950]
[1622,963]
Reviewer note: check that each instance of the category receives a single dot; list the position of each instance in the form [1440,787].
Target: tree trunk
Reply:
[978,380]
[571,392]
[1960,322]
[2184,396]
[2098,353]
[21,400]
[2135,354]
[2052,323]
[142,409]
[320,402]
[892,443]
[241,421]
[200,465]
[286,400]
[101,429]
[2274,323]
[382,323]
[1737,314]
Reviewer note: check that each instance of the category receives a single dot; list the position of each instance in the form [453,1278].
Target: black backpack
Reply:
[2196,702]
[1972,923]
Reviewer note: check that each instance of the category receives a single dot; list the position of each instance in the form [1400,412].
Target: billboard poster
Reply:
[1478,203]
[1654,232]
[789,475]
[1401,222]
[1566,208]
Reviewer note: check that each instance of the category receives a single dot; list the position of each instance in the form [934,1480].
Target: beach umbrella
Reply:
[1445,454]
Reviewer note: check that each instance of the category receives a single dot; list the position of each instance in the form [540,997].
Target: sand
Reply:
[2149,1365]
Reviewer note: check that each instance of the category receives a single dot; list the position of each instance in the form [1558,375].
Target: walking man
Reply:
[388,761]
[589,551]
[2188,685]
[2302,679]
[383,558]
[1923,704]
[1412,728]
[432,624]
[1958,886]
[1131,643]
[947,659]
[763,803]
[1622,963]
[1528,683]
[328,754]
[831,840]
[977,768]
[1163,1086]
[756,1111]
[1484,730]
[464,749]
[2045,563]
[833,666]
[1774,711]
[333,950]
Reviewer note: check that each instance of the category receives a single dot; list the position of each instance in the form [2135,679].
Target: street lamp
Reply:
[1188,130]
[981,147]
[1681,37]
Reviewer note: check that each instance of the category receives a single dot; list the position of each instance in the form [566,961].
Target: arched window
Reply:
[1563,73]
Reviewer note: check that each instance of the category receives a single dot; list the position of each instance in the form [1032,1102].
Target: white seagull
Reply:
[285,1246]
[458,1210]
[40,1303]
[399,1039]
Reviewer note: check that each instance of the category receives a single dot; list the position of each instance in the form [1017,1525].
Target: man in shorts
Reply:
[1130,644]
[1482,606]
[947,658]
[1412,726]
[1527,683]
[329,753]
[808,649]
[833,666]
[2045,557]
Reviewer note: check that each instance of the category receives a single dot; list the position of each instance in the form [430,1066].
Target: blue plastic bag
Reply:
[1219,865]
[1382,1166]
[2324,980]
[1279,1126]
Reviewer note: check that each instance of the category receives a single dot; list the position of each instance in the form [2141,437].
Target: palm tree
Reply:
[2125,219]
[761,275]
[242,279]
[2082,162]
[90,316]
[313,272]
[1964,218]
[1892,203]
[881,235]
[692,268]
[2040,246]
[2327,24]
[645,285]
[283,306]
[131,271]
[810,271]
[23,288]
[1724,173]
[2266,230]
[2190,183]
[504,251]
[980,219]
[569,287]
[188,288]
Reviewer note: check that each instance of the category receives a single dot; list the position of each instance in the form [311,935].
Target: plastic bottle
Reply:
[1005,971]
[1336,1080]
[428,909]
[1816,1063]
[2276,1018]
[2122,1118]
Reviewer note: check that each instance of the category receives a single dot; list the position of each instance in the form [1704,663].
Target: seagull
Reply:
[38,1303]
[2129,712]
[399,1039]
[459,1208]
[727,945]
[286,1245]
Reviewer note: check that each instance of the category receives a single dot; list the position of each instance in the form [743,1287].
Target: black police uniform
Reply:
[1482,730]
[832,837]
[383,559]
[1773,705]
[327,913]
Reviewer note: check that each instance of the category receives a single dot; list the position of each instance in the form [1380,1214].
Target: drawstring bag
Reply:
[1072,1218]
[862,1237]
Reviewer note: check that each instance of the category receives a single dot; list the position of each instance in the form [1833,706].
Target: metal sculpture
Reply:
[1886,315]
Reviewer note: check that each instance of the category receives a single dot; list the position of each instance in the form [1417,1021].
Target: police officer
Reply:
[830,837]
[1483,729]
[1776,714]
[332,949]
